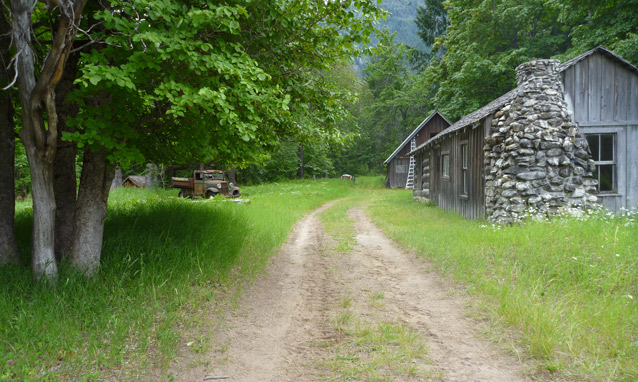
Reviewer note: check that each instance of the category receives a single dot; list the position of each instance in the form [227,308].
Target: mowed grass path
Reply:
[569,286]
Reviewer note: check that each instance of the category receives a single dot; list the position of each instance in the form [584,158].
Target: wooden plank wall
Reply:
[435,125]
[603,94]
[601,90]
[447,192]
[396,180]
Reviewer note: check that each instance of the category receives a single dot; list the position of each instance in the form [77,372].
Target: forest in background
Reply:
[454,56]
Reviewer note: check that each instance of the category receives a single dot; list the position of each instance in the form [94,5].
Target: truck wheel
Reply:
[182,194]
[210,194]
[236,194]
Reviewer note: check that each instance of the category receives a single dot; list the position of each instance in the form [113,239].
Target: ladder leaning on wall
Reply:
[410,182]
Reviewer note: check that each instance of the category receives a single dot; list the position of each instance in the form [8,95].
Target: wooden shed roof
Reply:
[605,52]
[137,180]
[415,132]
[493,106]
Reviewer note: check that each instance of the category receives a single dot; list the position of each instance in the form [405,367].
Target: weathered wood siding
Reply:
[433,127]
[602,95]
[397,171]
[397,179]
[447,192]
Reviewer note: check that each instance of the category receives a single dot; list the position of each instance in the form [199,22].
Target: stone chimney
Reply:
[535,156]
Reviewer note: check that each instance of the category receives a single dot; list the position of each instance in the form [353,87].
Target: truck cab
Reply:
[208,183]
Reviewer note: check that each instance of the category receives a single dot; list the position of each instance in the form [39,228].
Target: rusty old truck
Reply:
[205,183]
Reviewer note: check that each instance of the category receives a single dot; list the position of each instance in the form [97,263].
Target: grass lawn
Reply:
[569,286]
[165,263]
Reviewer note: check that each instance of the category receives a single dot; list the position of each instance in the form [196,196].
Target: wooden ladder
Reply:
[410,183]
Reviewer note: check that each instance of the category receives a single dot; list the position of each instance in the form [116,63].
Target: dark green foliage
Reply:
[611,23]
[22,175]
[431,21]
[483,44]
[398,101]
[202,81]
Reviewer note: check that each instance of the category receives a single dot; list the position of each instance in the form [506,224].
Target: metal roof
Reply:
[414,132]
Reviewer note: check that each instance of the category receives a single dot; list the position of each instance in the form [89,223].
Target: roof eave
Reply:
[414,132]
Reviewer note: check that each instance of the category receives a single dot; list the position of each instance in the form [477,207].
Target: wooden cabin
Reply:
[134,181]
[398,163]
[450,169]
[599,89]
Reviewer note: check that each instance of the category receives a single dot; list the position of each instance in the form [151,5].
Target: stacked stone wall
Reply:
[535,156]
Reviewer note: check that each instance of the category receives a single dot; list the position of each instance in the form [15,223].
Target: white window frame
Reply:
[613,162]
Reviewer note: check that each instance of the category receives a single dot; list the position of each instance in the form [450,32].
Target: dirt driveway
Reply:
[371,312]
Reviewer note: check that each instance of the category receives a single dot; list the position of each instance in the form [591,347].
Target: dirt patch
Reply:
[284,327]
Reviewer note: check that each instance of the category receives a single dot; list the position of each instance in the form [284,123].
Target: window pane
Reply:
[466,185]
[446,165]
[606,177]
[593,146]
[607,147]
[464,151]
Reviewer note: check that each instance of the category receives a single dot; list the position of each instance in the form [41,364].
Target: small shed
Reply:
[134,181]
[566,136]
[400,165]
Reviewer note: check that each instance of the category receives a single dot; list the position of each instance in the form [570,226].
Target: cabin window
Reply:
[603,152]
[401,169]
[445,165]
[465,181]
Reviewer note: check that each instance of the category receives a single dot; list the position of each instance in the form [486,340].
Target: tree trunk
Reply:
[300,171]
[65,186]
[95,184]
[40,139]
[42,248]
[117,179]
[8,247]
[150,175]
[231,174]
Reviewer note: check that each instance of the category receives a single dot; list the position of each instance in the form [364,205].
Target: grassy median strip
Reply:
[166,264]
[570,285]
[369,350]
[369,345]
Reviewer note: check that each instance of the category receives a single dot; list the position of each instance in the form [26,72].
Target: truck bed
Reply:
[181,182]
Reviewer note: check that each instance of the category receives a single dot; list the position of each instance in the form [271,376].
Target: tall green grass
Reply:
[166,263]
[570,286]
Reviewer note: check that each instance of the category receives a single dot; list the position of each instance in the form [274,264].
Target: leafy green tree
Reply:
[189,81]
[484,42]
[612,23]
[172,81]
[398,101]
[431,21]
